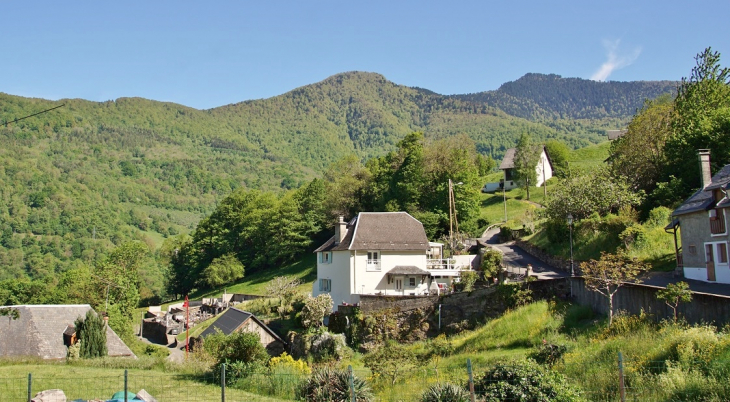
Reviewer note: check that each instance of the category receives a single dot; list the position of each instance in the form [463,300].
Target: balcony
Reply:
[717,222]
[446,267]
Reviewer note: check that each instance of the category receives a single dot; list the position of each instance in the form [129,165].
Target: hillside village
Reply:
[430,264]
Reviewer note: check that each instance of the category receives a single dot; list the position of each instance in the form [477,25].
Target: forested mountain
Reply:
[81,178]
[539,97]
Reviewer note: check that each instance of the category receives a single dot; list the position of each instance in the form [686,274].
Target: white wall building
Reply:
[383,253]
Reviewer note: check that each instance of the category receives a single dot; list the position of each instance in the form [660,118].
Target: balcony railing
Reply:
[717,223]
[373,265]
[445,264]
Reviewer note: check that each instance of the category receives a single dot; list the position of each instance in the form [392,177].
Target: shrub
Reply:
[467,279]
[659,217]
[92,335]
[446,392]
[633,236]
[327,385]
[315,308]
[492,263]
[242,351]
[506,233]
[548,353]
[392,361]
[524,381]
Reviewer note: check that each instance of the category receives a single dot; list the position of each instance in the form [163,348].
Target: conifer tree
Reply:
[91,333]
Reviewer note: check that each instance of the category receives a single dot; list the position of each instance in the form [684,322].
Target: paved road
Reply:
[516,259]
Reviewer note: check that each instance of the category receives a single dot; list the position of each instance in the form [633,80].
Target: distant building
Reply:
[235,320]
[45,331]
[543,172]
[614,134]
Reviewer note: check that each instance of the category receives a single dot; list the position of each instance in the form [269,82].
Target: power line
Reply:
[7,122]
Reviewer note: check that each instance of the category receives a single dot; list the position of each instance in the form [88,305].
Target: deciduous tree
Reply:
[674,294]
[527,155]
[612,271]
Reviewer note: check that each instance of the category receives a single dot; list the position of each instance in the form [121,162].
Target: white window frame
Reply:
[325,257]
[325,285]
[716,254]
[373,261]
[412,282]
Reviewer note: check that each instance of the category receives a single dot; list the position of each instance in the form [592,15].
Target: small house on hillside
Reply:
[615,134]
[45,331]
[543,171]
[702,222]
[384,253]
[235,320]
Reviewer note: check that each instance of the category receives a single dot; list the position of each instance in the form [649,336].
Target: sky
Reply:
[209,54]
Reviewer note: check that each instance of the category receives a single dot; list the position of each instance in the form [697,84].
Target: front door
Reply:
[399,285]
[710,262]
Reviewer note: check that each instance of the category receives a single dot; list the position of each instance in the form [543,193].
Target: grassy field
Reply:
[100,383]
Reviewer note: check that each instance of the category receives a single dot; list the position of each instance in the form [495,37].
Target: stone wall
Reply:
[370,303]
[551,260]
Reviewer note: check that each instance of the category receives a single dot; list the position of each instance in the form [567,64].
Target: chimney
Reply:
[340,229]
[704,156]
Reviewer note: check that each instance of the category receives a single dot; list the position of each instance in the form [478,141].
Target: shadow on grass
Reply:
[664,263]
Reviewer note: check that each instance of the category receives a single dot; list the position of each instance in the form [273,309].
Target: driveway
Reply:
[516,259]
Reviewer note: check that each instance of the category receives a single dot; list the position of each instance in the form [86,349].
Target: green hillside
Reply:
[79,179]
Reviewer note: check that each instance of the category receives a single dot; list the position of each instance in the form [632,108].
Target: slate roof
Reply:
[508,162]
[614,134]
[232,319]
[381,231]
[702,200]
[407,270]
[39,332]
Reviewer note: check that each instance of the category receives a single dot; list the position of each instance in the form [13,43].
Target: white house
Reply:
[543,172]
[383,253]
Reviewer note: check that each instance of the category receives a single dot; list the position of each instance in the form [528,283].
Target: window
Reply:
[717,221]
[325,285]
[325,257]
[722,253]
[692,249]
[373,263]
[412,282]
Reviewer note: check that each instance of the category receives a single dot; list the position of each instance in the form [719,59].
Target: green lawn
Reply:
[590,156]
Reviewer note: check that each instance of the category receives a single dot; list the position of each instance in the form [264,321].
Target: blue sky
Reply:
[208,55]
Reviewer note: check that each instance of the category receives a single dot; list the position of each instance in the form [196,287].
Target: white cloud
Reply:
[615,60]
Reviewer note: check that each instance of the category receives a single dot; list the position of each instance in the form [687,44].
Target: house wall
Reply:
[371,282]
[695,231]
[547,173]
[274,346]
[338,271]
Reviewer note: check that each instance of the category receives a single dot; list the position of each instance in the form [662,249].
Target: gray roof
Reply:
[381,231]
[508,162]
[702,200]
[407,270]
[39,332]
[613,134]
[231,320]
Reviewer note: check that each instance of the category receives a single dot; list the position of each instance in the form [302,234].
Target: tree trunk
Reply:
[610,310]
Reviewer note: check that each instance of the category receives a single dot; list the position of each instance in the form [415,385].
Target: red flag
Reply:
[186,302]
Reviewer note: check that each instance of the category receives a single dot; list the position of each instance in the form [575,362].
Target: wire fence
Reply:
[610,380]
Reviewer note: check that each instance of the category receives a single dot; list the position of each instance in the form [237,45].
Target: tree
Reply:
[391,361]
[701,120]
[315,308]
[559,154]
[527,155]
[638,156]
[9,312]
[91,332]
[607,275]
[286,288]
[117,277]
[674,294]
[223,270]
[589,192]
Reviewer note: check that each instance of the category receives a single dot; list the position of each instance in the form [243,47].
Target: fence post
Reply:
[471,381]
[223,382]
[125,386]
[353,397]
[621,387]
[30,386]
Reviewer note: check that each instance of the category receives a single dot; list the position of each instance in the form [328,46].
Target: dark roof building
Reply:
[40,329]
[235,320]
